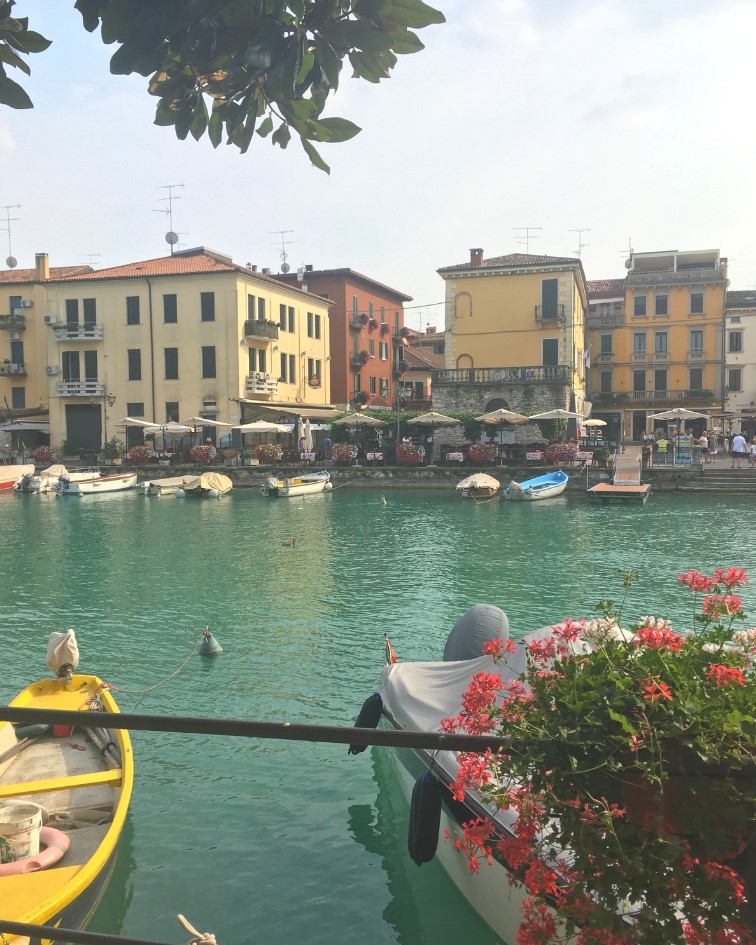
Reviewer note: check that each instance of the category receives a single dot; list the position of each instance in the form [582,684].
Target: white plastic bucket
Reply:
[20,826]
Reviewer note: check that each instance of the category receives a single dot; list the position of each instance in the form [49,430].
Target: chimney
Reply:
[476,257]
[430,330]
[308,268]
[42,264]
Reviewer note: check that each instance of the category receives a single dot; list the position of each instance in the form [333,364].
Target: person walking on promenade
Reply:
[713,448]
[703,442]
[739,450]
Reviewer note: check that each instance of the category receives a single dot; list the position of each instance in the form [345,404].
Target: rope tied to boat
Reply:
[141,692]
[198,938]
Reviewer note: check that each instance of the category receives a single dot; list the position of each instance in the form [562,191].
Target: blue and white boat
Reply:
[540,487]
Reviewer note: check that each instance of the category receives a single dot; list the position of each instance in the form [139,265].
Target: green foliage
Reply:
[240,66]
[16,40]
[113,448]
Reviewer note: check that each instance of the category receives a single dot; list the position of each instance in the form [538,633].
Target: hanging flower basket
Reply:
[483,453]
[385,328]
[46,455]
[407,454]
[139,454]
[269,453]
[204,454]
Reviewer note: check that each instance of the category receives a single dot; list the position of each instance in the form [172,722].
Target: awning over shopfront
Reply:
[255,410]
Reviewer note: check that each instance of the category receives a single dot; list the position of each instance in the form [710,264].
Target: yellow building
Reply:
[514,334]
[655,340]
[190,334]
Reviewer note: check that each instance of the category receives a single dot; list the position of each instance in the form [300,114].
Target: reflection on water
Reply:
[297,841]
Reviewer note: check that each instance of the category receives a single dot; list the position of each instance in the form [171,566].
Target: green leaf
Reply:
[33,42]
[357,34]
[164,114]
[406,43]
[243,135]
[339,129]
[314,157]
[13,95]
[215,129]
[414,13]
[266,126]
[623,722]
[281,136]
[10,58]
[198,124]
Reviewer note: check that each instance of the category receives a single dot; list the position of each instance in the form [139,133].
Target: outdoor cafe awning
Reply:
[254,409]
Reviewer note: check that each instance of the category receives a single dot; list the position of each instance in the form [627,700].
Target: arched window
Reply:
[462,305]
[464,361]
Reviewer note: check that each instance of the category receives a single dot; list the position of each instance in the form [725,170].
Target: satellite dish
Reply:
[171,238]
[628,263]
[11,262]
[285,267]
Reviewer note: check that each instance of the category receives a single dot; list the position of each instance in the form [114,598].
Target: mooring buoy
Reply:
[209,645]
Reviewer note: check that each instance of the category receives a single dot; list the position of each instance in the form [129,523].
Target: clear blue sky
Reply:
[633,120]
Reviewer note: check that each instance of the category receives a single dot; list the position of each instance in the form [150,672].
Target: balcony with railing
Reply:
[358,359]
[640,356]
[696,355]
[606,358]
[661,355]
[261,383]
[80,388]
[671,277]
[550,314]
[399,367]
[13,322]
[12,369]
[358,321]
[258,328]
[652,398]
[557,374]
[610,320]
[88,331]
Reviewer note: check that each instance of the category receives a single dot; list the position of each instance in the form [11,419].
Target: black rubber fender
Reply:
[425,819]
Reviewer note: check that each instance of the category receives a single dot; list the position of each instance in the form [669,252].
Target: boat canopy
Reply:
[209,480]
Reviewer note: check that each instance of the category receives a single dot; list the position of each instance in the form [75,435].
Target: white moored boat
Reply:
[168,486]
[10,475]
[540,487]
[478,486]
[96,484]
[211,485]
[47,480]
[306,484]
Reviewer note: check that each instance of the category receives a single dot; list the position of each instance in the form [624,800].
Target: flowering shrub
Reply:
[140,453]
[269,452]
[483,453]
[343,452]
[46,454]
[204,454]
[410,455]
[561,453]
[629,769]
[385,328]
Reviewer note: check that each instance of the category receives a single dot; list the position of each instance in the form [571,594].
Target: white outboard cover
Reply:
[481,624]
[62,650]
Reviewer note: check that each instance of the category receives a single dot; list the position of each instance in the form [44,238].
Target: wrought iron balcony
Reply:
[557,374]
[616,320]
[12,369]
[549,313]
[256,328]
[358,359]
[14,321]
[399,367]
[670,277]
[80,389]
[83,332]
[358,321]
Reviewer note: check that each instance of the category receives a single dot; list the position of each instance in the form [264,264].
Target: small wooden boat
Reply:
[540,487]
[478,486]
[211,485]
[10,475]
[84,795]
[306,484]
[167,486]
[95,484]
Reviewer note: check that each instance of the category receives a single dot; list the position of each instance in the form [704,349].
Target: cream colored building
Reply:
[740,359]
[514,334]
[190,334]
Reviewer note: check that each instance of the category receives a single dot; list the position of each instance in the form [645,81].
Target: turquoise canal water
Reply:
[282,842]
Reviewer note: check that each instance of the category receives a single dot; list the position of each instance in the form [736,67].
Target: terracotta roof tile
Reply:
[515,261]
[421,359]
[178,264]
[21,276]
[605,288]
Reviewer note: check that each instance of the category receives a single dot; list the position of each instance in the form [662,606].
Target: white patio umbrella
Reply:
[261,426]
[356,420]
[197,422]
[308,435]
[679,413]
[132,422]
[171,428]
[503,416]
[557,414]
[594,423]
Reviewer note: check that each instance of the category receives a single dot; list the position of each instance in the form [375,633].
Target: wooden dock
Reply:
[626,486]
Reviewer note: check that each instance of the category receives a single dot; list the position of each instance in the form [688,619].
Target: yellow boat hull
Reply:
[86,794]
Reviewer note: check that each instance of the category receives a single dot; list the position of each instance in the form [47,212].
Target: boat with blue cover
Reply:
[546,486]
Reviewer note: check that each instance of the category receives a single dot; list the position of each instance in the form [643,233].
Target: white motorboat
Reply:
[211,485]
[417,697]
[539,487]
[46,480]
[478,486]
[306,484]
[10,475]
[96,484]
[167,486]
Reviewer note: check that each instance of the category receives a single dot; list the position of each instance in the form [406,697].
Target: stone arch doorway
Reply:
[498,403]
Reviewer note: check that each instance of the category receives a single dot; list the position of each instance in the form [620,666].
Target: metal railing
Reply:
[80,389]
[671,277]
[549,313]
[14,320]
[256,328]
[11,368]
[83,332]
[537,374]
[605,321]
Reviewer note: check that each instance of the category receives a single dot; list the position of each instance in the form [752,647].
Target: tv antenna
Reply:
[527,238]
[579,251]
[11,262]
[90,257]
[628,253]
[171,237]
[285,267]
